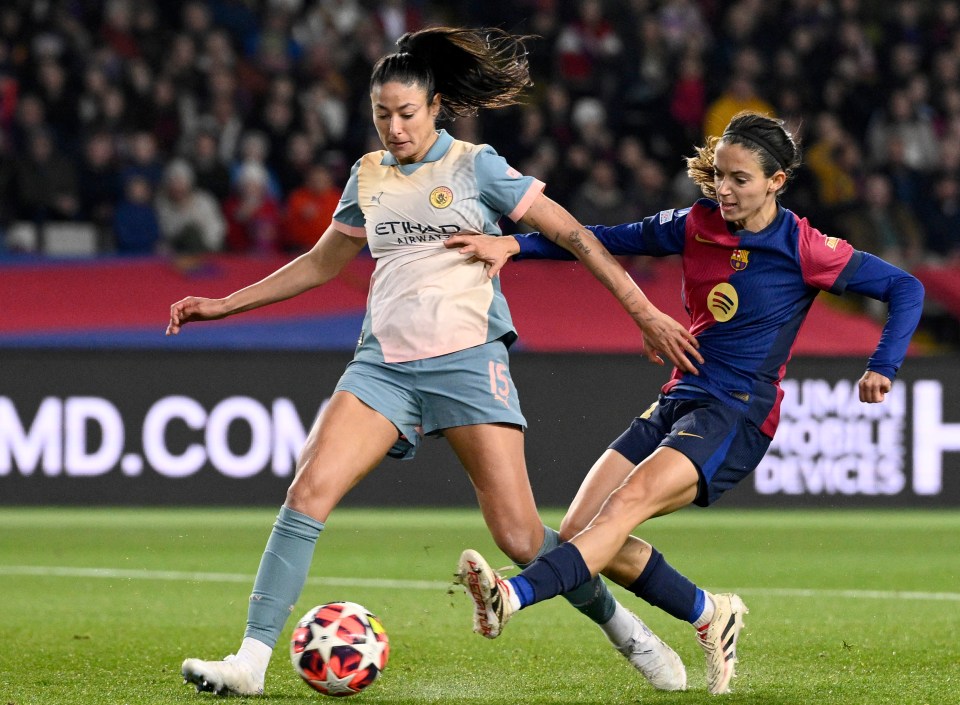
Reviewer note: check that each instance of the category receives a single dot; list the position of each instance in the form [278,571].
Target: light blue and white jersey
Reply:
[424,299]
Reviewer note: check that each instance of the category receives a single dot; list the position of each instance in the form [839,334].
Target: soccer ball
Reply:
[339,648]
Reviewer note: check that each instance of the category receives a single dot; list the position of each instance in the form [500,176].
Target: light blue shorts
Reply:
[423,397]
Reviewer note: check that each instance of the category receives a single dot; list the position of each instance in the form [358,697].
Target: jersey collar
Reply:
[436,151]
[772,227]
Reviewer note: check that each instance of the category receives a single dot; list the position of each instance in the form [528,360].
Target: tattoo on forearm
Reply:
[576,239]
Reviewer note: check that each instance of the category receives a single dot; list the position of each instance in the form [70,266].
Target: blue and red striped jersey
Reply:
[747,293]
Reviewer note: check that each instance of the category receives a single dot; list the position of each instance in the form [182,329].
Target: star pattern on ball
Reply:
[339,648]
[324,639]
[371,652]
[337,686]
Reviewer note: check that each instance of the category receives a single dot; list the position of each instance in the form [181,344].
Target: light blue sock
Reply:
[282,573]
[593,598]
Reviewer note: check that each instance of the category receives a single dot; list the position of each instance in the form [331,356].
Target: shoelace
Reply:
[702,635]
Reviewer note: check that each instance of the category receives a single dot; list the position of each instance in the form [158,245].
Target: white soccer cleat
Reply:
[656,661]
[231,676]
[719,641]
[490,594]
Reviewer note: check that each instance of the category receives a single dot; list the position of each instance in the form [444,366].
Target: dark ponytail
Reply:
[469,68]
[773,145]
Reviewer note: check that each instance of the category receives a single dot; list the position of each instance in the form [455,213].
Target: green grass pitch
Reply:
[102,605]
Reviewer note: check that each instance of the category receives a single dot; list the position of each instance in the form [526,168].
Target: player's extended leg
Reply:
[662,483]
[633,560]
[651,488]
[606,475]
[347,441]
[493,457]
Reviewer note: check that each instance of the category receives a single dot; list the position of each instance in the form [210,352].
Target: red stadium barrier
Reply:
[942,284]
[557,306]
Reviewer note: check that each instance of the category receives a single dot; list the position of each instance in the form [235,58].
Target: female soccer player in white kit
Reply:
[432,356]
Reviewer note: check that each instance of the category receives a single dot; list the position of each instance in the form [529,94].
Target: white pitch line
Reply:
[201,577]
[853,594]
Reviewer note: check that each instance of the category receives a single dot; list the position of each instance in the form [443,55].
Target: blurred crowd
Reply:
[199,126]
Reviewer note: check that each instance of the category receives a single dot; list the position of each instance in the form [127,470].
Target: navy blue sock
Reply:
[663,586]
[592,599]
[561,570]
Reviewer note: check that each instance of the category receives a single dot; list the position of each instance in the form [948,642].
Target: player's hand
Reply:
[873,387]
[492,250]
[194,308]
[663,335]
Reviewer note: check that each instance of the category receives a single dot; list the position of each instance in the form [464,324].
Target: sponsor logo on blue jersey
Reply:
[723,302]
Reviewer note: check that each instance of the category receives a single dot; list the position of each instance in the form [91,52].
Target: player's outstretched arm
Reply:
[321,264]
[661,334]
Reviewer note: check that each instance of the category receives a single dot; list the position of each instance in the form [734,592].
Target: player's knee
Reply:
[304,495]
[572,524]
[627,503]
[297,498]
[520,546]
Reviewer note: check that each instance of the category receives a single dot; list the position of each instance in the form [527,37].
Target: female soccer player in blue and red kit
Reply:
[751,270]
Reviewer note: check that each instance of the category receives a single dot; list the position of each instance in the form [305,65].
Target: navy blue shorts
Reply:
[720,441]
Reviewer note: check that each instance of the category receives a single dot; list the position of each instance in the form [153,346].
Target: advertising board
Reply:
[214,427]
